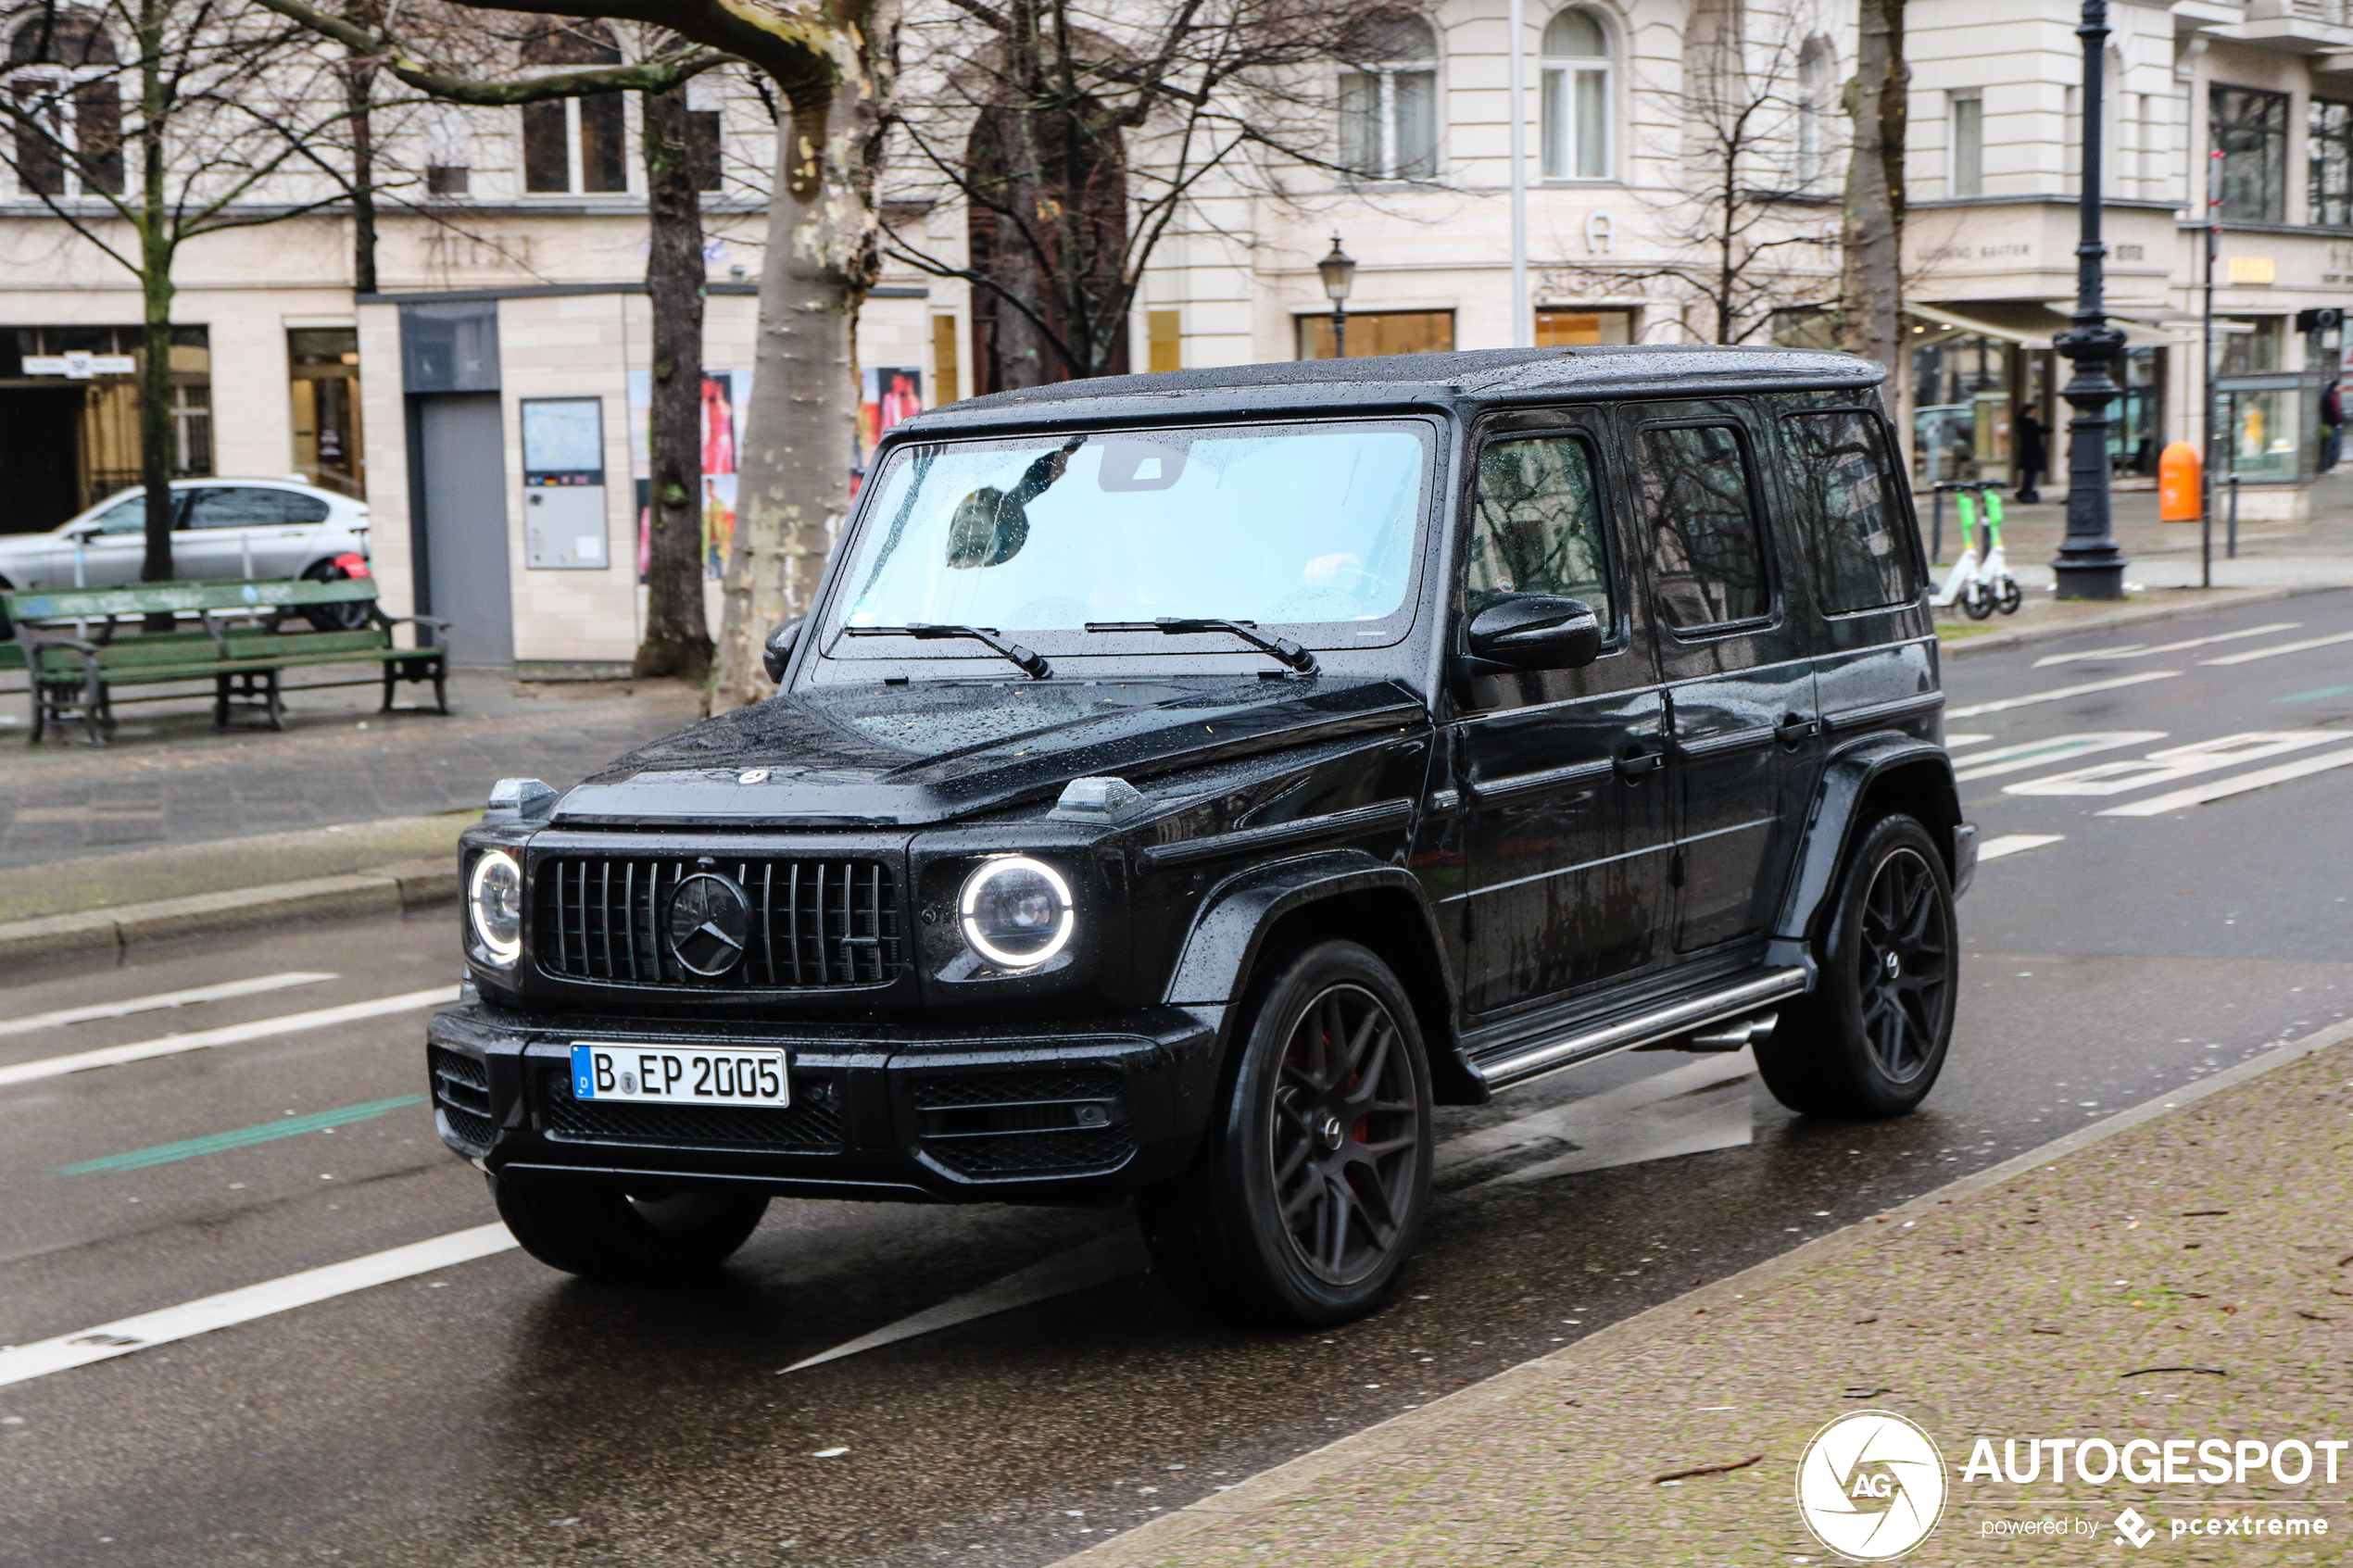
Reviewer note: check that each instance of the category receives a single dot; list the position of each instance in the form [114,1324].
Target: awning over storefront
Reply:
[2028,323]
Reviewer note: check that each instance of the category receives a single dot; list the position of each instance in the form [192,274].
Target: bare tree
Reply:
[1876,99]
[1747,230]
[677,639]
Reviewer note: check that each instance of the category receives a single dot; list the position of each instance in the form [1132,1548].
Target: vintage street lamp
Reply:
[1339,270]
[2089,566]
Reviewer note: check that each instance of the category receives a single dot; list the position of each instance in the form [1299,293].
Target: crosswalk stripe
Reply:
[2015,844]
[219,993]
[229,1034]
[20,1363]
[2142,651]
[2220,789]
[2059,694]
[2278,649]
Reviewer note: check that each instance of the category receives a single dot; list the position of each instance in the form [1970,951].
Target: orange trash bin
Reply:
[2179,495]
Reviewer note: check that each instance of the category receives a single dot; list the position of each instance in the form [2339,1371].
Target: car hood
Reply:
[906,756]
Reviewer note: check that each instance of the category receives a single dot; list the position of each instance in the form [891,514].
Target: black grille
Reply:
[813,1122]
[461,1093]
[1009,1124]
[814,922]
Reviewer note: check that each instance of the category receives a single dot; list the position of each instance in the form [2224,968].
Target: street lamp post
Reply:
[1339,270]
[2089,566]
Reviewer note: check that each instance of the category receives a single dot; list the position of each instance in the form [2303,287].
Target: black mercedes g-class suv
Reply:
[1183,782]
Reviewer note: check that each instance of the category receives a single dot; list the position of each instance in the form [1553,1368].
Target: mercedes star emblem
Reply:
[710,922]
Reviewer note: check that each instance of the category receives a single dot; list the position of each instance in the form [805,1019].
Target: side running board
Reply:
[1627,1033]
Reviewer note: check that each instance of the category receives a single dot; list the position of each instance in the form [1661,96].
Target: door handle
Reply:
[1638,761]
[1794,728]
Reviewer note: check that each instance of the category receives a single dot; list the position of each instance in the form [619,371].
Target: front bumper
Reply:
[1054,1112]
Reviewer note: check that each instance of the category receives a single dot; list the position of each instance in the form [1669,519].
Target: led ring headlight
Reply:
[1015,913]
[493,906]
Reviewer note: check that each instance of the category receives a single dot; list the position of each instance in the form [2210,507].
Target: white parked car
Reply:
[226,530]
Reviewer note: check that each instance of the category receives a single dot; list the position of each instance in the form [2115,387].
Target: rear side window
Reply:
[254,508]
[1707,558]
[1537,527]
[1845,503]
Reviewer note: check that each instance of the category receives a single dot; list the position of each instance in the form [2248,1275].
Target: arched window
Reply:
[1389,98]
[61,75]
[1817,68]
[575,143]
[1575,88]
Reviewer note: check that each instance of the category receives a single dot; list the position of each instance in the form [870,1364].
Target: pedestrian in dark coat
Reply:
[2033,454]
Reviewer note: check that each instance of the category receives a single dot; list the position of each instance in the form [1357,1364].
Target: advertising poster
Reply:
[892,393]
[722,424]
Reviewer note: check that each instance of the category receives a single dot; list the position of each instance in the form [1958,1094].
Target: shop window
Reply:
[2330,146]
[575,143]
[1576,94]
[1707,558]
[1567,326]
[2250,129]
[1969,144]
[324,363]
[1164,339]
[1389,99]
[1376,333]
[62,72]
[946,374]
[2250,346]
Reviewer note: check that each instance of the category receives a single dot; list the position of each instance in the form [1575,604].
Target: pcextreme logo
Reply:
[1870,1486]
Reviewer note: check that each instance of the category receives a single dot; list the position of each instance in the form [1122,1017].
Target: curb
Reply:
[2138,615]
[385,890]
[1154,1541]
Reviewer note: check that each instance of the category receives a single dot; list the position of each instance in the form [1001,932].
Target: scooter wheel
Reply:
[1978,602]
[2012,595]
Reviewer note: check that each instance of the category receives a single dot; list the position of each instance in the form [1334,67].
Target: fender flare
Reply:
[1830,824]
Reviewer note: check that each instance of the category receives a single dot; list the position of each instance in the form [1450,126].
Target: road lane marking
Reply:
[1954,741]
[2221,789]
[2059,694]
[2315,696]
[2034,753]
[221,992]
[244,1137]
[229,1034]
[2142,651]
[2276,649]
[20,1363]
[2015,844]
[1700,1112]
[2174,763]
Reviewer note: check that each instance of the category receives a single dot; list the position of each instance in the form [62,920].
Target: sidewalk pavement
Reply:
[2183,1271]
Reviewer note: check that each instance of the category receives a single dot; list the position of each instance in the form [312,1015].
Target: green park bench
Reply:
[78,647]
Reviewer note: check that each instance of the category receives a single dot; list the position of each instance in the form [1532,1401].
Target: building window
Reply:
[1389,99]
[1567,326]
[1969,144]
[575,143]
[2250,346]
[1164,340]
[706,132]
[1375,332]
[2331,145]
[324,364]
[1576,97]
[68,121]
[2249,129]
[946,374]
[1817,102]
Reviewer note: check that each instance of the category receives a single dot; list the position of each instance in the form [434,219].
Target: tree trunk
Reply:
[360,86]
[156,290]
[1872,285]
[801,420]
[677,639]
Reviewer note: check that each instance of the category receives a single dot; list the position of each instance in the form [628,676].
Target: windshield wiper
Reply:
[1028,663]
[1280,649]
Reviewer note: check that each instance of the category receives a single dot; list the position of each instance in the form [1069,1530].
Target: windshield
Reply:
[1309,527]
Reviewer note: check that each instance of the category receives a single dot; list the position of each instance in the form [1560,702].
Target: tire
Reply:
[1869,1040]
[332,618]
[1977,601]
[1344,1138]
[2012,595]
[602,1234]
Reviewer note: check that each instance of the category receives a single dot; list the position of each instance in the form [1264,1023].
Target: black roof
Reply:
[1479,376]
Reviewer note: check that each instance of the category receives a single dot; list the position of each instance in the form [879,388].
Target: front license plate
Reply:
[680,1075]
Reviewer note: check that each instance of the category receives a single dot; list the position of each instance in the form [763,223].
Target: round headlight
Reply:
[1015,911]
[494,904]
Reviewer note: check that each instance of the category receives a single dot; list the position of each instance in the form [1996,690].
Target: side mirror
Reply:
[1525,631]
[778,651]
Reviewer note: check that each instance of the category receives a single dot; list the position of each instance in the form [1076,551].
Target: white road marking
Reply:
[2036,753]
[1559,1123]
[2174,763]
[229,1034]
[2142,651]
[2059,694]
[2263,778]
[2014,844]
[1954,742]
[21,1362]
[219,993]
[1717,1116]
[2278,649]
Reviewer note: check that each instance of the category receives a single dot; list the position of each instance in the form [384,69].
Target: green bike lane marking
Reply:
[292,1126]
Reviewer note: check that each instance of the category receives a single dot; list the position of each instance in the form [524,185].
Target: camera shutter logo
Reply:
[710,924]
[1870,1486]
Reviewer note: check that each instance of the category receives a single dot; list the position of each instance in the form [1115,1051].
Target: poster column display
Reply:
[563,484]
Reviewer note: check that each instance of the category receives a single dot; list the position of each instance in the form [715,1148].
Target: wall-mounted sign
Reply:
[77,366]
[2253,270]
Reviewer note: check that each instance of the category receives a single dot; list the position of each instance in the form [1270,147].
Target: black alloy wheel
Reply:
[1871,1036]
[1309,1191]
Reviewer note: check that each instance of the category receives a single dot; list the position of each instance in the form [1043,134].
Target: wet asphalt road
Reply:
[494,1413]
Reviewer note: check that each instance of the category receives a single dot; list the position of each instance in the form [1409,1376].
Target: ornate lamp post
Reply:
[2089,566]
[1339,270]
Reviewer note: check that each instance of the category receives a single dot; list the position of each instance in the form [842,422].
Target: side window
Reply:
[235,508]
[1536,526]
[298,510]
[125,517]
[1839,481]
[1706,557]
